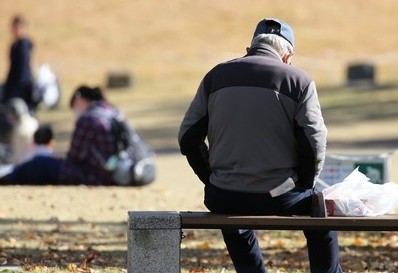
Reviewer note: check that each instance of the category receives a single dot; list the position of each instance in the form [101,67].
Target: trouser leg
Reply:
[244,250]
[323,251]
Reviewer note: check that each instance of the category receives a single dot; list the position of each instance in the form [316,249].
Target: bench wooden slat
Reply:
[207,220]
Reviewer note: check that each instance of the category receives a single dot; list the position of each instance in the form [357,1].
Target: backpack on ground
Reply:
[133,163]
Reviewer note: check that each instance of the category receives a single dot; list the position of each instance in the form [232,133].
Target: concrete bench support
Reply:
[154,240]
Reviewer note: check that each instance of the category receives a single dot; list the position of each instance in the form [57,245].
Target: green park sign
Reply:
[338,167]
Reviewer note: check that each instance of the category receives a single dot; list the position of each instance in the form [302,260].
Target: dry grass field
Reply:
[167,46]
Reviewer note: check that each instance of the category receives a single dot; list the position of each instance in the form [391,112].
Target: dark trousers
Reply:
[242,245]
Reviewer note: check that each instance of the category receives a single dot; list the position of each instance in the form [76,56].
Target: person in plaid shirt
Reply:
[92,138]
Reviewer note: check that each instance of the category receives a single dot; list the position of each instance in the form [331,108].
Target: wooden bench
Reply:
[207,220]
[154,237]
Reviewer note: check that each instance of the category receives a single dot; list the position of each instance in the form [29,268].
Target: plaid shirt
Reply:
[92,131]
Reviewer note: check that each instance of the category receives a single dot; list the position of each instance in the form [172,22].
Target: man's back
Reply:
[256,112]
[251,122]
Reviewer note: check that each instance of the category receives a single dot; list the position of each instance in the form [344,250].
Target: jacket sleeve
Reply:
[311,136]
[193,133]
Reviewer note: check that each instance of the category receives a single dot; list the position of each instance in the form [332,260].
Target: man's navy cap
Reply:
[275,26]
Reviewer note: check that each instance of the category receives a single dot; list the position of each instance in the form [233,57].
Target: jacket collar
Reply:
[264,50]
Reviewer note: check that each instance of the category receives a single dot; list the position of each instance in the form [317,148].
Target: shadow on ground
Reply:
[53,243]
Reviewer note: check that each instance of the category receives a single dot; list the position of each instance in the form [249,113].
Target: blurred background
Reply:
[164,48]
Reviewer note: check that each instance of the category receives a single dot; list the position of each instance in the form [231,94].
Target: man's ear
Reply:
[287,58]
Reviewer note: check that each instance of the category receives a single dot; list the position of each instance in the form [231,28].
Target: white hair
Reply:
[275,41]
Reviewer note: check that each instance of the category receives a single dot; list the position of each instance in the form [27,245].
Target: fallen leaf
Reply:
[203,246]
[197,270]
[71,267]
[358,241]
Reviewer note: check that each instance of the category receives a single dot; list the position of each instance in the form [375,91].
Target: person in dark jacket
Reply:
[19,81]
[41,167]
[266,142]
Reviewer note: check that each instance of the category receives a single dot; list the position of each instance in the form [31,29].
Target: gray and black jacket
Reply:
[263,123]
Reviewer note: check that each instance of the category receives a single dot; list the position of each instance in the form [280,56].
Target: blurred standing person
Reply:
[267,143]
[5,134]
[92,134]
[19,82]
[24,126]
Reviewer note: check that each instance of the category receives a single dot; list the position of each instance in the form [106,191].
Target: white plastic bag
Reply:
[48,90]
[356,196]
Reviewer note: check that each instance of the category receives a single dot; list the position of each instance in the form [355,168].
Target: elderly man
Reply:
[267,141]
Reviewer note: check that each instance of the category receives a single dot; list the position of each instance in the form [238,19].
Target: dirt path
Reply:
[176,188]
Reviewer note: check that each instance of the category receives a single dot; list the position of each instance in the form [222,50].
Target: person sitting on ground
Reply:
[92,138]
[24,126]
[41,167]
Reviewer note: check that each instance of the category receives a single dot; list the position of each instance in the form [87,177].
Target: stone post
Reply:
[154,239]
